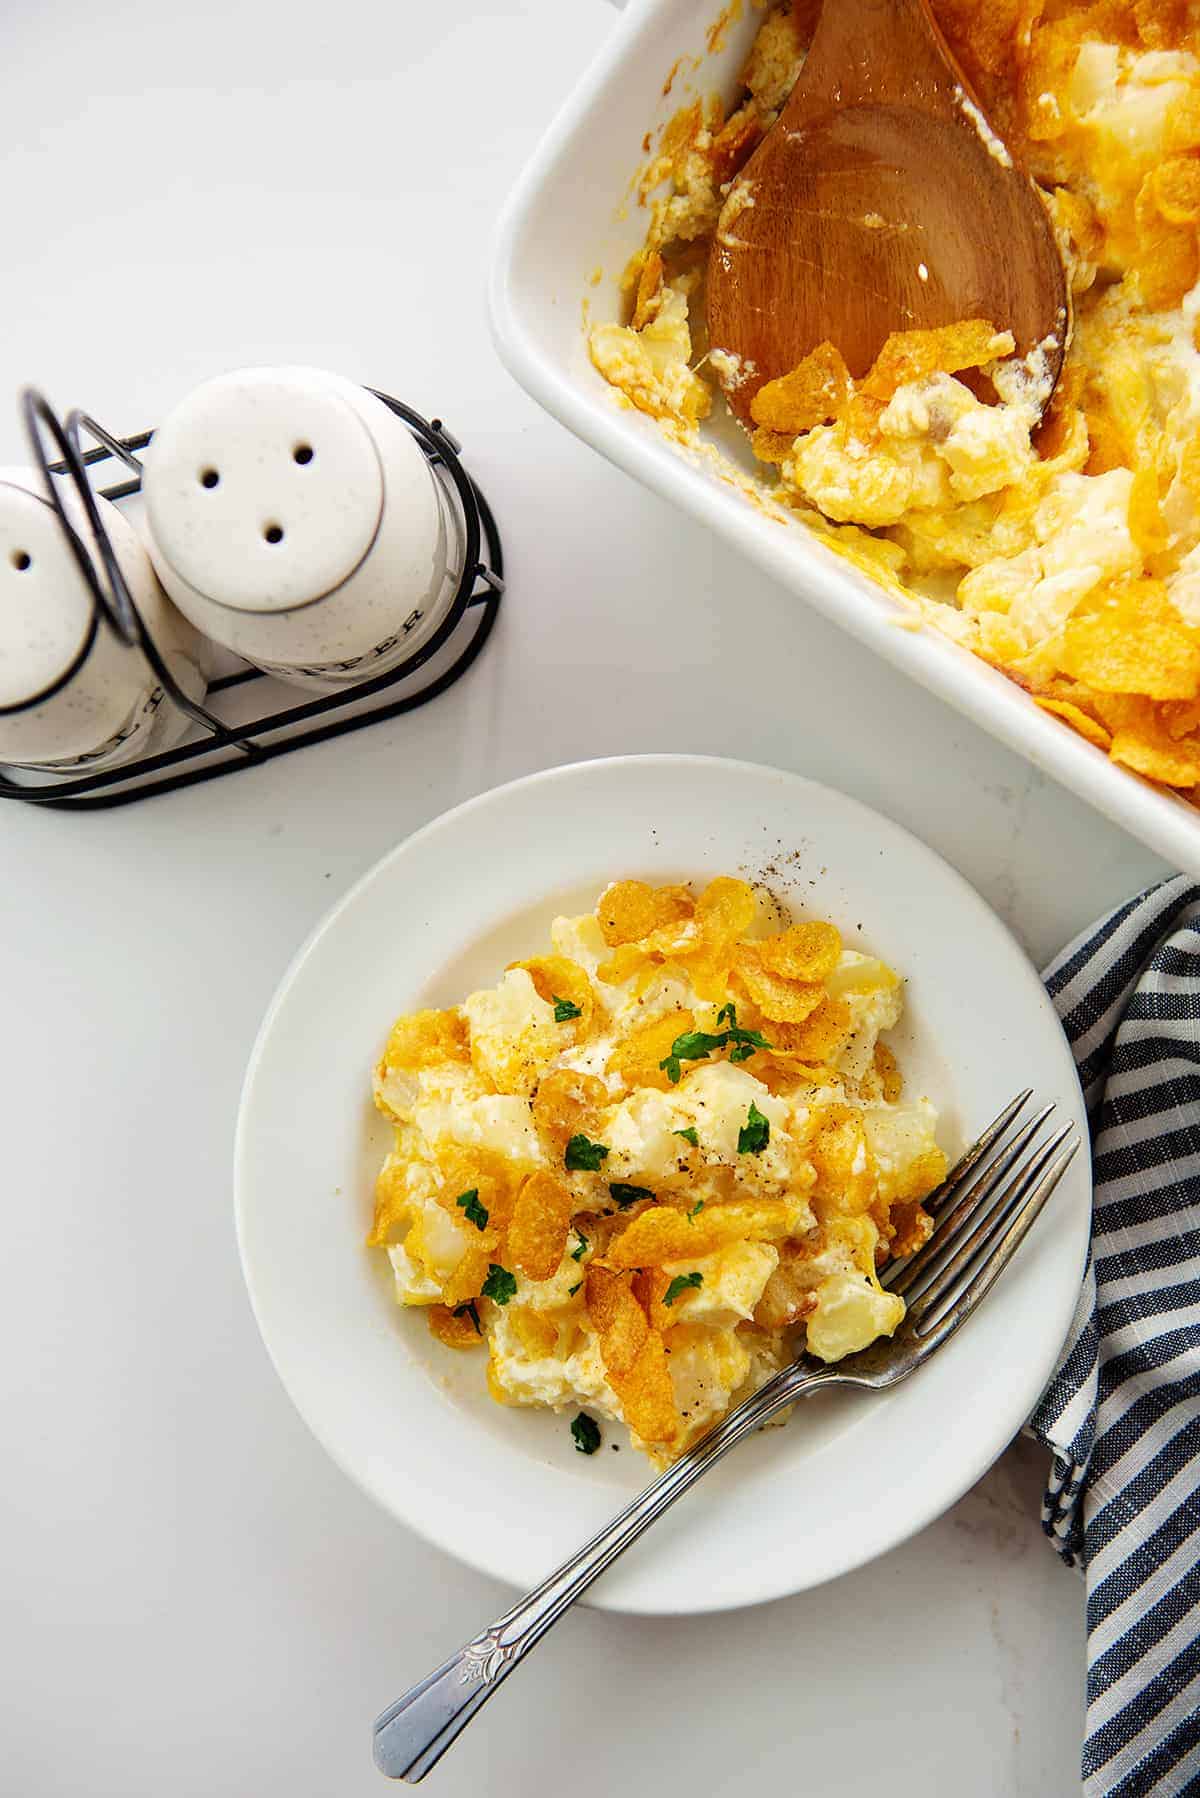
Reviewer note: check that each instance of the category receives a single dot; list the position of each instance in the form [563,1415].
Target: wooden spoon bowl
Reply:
[879,201]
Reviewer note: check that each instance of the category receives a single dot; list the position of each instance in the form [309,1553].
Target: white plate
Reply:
[504,1489]
[572,214]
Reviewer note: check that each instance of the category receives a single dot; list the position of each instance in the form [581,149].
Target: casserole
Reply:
[570,228]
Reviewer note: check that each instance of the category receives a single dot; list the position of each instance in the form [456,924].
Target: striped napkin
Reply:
[1122,1414]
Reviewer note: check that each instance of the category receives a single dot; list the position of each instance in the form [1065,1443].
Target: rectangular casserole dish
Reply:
[574,212]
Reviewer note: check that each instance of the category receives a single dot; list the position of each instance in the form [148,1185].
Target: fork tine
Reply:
[939,1294]
[931,1332]
[963,1166]
[966,1205]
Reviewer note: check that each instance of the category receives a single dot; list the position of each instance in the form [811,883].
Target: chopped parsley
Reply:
[695,1210]
[755,1133]
[626,1195]
[689,1135]
[745,1042]
[572,1290]
[693,1045]
[585,1156]
[564,1010]
[577,1254]
[696,1045]
[586,1434]
[474,1211]
[468,1310]
[500,1285]
[682,1283]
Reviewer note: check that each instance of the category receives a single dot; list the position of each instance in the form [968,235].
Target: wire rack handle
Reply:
[112,601]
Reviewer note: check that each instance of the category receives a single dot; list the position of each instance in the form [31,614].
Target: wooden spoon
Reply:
[880,201]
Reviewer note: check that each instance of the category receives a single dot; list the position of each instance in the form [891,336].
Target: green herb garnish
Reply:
[468,1310]
[696,1045]
[500,1285]
[578,1254]
[583,1155]
[745,1042]
[564,1010]
[586,1434]
[572,1290]
[693,1045]
[689,1135]
[475,1212]
[755,1133]
[625,1194]
[695,1210]
[682,1283]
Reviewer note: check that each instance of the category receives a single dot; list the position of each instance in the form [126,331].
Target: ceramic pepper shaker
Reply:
[293,519]
[104,706]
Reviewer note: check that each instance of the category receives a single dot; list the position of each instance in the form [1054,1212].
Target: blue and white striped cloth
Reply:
[1122,1413]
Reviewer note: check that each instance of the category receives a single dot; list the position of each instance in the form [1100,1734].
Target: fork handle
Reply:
[412,1735]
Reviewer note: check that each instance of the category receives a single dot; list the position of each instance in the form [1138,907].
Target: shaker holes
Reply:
[273,533]
[21,560]
[302,453]
[209,478]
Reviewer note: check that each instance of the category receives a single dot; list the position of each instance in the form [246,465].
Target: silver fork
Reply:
[984,1209]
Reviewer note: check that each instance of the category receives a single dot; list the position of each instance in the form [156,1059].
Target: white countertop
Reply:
[195,1600]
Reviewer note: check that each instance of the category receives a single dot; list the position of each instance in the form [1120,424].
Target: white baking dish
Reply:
[572,213]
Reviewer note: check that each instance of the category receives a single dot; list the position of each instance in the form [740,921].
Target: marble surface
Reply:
[195,1600]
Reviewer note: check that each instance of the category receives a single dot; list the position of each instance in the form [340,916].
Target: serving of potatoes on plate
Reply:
[648,1167]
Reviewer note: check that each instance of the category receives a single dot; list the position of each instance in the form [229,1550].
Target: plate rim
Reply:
[425,1528]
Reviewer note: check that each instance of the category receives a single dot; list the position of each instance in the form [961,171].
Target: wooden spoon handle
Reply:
[877,52]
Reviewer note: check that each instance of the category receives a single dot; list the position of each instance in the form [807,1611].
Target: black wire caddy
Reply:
[224,747]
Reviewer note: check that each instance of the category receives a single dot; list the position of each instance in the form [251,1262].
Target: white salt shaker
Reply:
[107,707]
[294,520]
